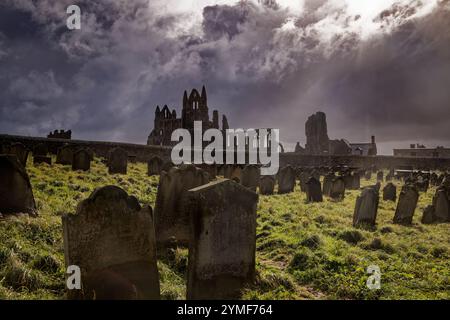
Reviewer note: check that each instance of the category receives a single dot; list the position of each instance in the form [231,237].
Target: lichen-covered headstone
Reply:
[266,185]
[390,192]
[337,189]
[81,160]
[118,161]
[406,205]
[286,180]
[314,190]
[16,194]
[112,240]
[65,155]
[223,243]
[366,207]
[171,218]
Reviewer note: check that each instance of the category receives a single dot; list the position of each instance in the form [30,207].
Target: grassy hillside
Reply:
[304,251]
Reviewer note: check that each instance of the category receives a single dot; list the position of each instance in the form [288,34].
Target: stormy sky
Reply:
[374,67]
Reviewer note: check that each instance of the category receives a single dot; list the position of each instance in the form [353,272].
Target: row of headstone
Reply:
[114,240]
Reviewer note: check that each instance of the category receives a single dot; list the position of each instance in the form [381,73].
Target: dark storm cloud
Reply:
[263,67]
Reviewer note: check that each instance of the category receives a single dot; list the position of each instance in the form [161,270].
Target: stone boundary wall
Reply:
[143,153]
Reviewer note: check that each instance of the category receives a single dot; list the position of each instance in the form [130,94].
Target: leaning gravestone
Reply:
[112,239]
[20,151]
[314,190]
[81,160]
[441,204]
[154,166]
[366,207]
[65,155]
[171,218]
[406,205]
[16,194]
[223,245]
[267,185]
[286,180]
[250,177]
[337,191]
[118,161]
[390,192]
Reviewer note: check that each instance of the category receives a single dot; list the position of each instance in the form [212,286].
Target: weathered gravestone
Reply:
[406,205]
[337,191]
[81,160]
[428,216]
[112,239]
[441,205]
[356,181]
[42,159]
[16,194]
[390,192]
[20,151]
[250,177]
[286,180]
[171,217]
[118,161]
[40,149]
[154,166]
[327,182]
[267,185]
[380,176]
[304,177]
[366,207]
[223,244]
[313,190]
[65,155]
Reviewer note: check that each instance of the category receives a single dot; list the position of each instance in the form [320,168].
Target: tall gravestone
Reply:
[223,243]
[406,205]
[356,181]
[390,192]
[171,217]
[250,177]
[314,190]
[81,160]
[366,207]
[267,185]
[20,151]
[118,161]
[16,194]
[327,182]
[154,166]
[65,155]
[441,203]
[286,180]
[112,240]
[337,190]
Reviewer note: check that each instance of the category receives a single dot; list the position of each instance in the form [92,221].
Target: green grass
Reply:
[304,251]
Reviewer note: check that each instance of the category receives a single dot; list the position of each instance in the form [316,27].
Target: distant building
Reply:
[364,149]
[420,151]
[60,134]
[195,108]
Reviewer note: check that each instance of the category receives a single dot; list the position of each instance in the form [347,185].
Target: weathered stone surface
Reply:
[406,205]
[304,177]
[16,194]
[223,245]
[112,239]
[390,192]
[337,190]
[20,151]
[65,155]
[286,180]
[81,160]
[428,216]
[356,181]
[366,207]
[441,204]
[171,217]
[380,176]
[266,185]
[42,159]
[154,166]
[327,182]
[118,161]
[40,150]
[250,177]
[314,190]
[317,141]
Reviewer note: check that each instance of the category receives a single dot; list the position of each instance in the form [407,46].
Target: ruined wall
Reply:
[142,153]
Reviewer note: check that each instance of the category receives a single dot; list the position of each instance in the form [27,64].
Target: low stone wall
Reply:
[142,153]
